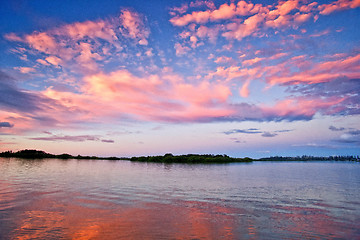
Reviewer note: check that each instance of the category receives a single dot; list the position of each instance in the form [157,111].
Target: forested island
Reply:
[170,158]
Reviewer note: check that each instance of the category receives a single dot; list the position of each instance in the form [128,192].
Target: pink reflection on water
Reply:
[180,220]
[312,223]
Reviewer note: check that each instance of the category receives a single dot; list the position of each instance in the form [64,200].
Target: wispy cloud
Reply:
[335,129]
[316,145]
[246,131]
[269,134]
[76,138]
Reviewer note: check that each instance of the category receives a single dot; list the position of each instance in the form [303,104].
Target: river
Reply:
[98,199]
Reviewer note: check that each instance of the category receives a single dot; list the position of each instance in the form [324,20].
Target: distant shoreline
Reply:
[169,158]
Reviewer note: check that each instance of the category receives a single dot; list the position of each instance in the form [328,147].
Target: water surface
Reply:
[97,199]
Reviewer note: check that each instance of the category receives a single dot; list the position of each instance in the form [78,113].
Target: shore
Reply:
[170,158]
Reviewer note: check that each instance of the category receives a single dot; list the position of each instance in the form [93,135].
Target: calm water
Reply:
[88,199]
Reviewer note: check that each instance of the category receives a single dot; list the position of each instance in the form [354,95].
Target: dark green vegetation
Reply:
[191,158]
[36,154]
[169,158]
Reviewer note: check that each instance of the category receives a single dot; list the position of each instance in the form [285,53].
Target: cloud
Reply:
[80,46]
[80,138]
[242,30]
[349,137]
[237,21]
[326,9]
[84,53]
[335,129]
[133,26]
[246,131]
[315,145]
[341,88]
[77,138]
[301,108]
[225,11]
[181,50]
[268,134]
[244,90]
[25,69]
[165,97]
[237,140]
[251,131]
[14,99]
[325,71]
[284,130]
[6,125]
[252,61]
[179,10]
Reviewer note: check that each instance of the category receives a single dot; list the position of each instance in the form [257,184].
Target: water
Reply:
[95,199]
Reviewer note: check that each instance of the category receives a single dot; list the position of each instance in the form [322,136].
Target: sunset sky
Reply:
[130,78]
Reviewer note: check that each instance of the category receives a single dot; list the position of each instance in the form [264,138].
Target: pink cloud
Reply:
[244,91]
[25,69]
[156,97]
[13,37]
[223,59]
[309,7]
[93,29]
[205,32]
[43,42]
[133,26]
[225,11]
[320,72]
[65,44]
[200,3]
[239,31]
[326,9]
[278,55]
[286,7]
[300,18]
[180,49]
[244,8]
[53,60]
[301,107]
[179,10]
[284,14]
[252,61]
[43,62]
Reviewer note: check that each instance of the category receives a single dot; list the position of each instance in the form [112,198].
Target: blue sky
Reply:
[129,78]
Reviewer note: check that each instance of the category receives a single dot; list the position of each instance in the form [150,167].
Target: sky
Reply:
[131,78]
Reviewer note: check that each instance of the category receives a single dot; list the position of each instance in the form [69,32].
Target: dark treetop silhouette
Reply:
[169,158]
